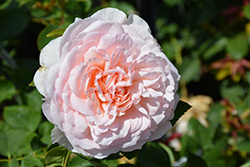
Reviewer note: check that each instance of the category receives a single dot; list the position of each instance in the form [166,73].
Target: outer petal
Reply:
[50,53]
[136,20]
[110,14]
[40,78]
[58,136]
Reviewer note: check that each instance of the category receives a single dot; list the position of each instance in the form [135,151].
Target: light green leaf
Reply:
[246,10]
[7,90]
[22,117]
[56,33]
[13,163]
[237,47]
[214,157]
[30,161]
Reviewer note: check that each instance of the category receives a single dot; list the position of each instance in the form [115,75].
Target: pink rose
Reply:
[107,85]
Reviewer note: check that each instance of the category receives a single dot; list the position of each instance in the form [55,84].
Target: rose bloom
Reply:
[108,87]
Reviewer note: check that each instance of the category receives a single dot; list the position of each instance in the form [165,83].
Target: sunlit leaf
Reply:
[56,157]
[237,47]
[22,117]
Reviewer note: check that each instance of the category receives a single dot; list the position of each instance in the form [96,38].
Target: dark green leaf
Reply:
[36,144]
[152,155]
[126,165]
[7,90]
[10,16]
[195,161]
[56,157]
[244,146]
[42,40]
[22,117]
[181,108]
[130,155]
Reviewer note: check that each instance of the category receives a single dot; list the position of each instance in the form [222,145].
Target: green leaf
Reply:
[13,163]
[36,144]
[195,161]
[215,48]
[79,162]
[237,47]
[42,40]
[22,117]
[181,108]
[56,157]
[230,91]
[44,132]
[214,158]
[244,146]
[200,133]
[188,144]
[246,10]
[190,69]
[34,100]
[7,90]
[153,155]
[10,141]
[172,3]
[95,162]
[126,165]
[10,16]
[30,161]
[56,33]
[130,155]
[25,147]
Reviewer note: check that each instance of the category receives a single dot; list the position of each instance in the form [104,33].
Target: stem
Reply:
[67,158]
[4,160]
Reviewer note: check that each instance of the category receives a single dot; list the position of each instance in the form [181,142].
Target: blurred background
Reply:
[207,40]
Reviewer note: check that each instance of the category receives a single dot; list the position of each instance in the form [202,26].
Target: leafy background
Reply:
[207,40]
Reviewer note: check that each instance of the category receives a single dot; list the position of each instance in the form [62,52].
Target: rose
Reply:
[107,85]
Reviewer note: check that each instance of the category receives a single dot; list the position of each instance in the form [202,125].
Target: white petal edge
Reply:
[57,136]
[136,20]
[40,78]
[110,14]
[50,53]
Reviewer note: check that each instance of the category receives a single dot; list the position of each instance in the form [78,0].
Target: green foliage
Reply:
[208,42]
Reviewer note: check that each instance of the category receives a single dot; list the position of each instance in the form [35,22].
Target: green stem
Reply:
[169,151]
[67,158]
[4,160]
